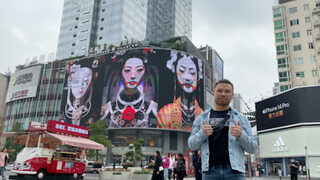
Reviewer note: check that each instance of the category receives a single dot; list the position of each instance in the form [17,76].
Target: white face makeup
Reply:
[132,72]
[187,74]
[80,81]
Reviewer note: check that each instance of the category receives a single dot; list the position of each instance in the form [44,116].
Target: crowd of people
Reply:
[172,167]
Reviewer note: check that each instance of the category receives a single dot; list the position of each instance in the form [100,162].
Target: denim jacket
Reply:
[246,142]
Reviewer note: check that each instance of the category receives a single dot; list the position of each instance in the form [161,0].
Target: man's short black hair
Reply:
[223,81]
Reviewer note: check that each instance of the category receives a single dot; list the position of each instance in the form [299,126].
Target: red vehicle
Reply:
[54,148]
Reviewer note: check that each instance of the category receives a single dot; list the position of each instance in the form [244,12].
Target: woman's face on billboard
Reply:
[132,72]
[187,74]
[81,81]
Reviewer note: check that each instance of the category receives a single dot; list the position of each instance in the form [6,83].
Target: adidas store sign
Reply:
[279,146]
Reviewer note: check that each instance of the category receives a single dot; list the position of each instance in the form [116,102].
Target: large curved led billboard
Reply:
[136,88]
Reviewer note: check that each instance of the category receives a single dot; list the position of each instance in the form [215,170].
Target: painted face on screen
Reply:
[187,74]
[132,72]
[80,81]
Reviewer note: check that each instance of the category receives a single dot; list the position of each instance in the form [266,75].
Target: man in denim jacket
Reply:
[222,153]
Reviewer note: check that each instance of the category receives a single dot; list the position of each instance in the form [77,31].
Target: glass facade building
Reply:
[46,102]
[89,23]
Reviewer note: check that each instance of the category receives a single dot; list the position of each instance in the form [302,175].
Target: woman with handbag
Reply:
[158,168]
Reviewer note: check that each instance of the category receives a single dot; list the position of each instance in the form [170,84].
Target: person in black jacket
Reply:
[181,167]
[157,174]
[197,165]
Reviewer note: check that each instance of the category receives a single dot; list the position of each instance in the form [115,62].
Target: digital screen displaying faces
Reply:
[136,88]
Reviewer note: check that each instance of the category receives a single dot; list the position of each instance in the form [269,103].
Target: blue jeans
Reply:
[222,172]
[165,174]
[2,171]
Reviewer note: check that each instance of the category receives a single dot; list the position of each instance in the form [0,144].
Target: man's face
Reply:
[132,72]
[187,74]
[223,94]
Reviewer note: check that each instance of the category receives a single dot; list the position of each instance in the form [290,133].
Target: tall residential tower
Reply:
[88,23]
[297,39]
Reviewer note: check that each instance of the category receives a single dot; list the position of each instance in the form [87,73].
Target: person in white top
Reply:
[3,160]
[172,160]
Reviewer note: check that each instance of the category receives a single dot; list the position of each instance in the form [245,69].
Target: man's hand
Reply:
[207,129]
[236,130]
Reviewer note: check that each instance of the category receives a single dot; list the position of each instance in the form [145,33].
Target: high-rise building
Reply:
[88,23]
[297,40]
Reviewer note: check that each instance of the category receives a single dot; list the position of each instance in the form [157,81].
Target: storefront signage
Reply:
[291,108]
[279,146]
[65,128]
[24,83]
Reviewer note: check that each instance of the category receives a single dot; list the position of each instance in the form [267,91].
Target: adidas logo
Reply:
[279,146]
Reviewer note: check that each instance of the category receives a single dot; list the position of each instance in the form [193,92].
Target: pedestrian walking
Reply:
[279,173]
[222,134]
[197,165]
[158,168]
[175,167]
[4,158]
[294,169]
[165,163]
[171,165]
[181,167]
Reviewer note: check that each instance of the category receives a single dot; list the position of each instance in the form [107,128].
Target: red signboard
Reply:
[65,128]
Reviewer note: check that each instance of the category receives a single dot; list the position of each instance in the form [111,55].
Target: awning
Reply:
[77,141]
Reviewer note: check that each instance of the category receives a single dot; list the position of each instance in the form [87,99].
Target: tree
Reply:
[98,133]
[135,153]
[13,148]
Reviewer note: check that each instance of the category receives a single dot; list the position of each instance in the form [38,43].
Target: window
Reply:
[279,24]
[309,32]
[102,19]
[283,63]
[100,37]
[298,61]
[296,34]
[280,37]
[312,59]
[293,10]
[305,7]
[283,88]
[281,49]
[310,45]
[297,47]
[314,73]
[307,19]
[73,44]
[103,10]
[299,74]
[75,27]
[294,22]
[277,12]
[74,35]
[283,76]
[72,53]
[101,28]
[77,18]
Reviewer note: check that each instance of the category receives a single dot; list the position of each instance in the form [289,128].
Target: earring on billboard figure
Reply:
[79,93]
[182,112]
[130,108]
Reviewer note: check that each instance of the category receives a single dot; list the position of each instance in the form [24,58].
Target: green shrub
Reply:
[141,172]
[117,173]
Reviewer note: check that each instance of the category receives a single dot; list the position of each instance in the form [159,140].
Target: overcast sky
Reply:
[240,30]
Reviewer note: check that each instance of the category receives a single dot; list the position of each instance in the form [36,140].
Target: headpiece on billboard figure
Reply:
[79,87]
[130,109]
